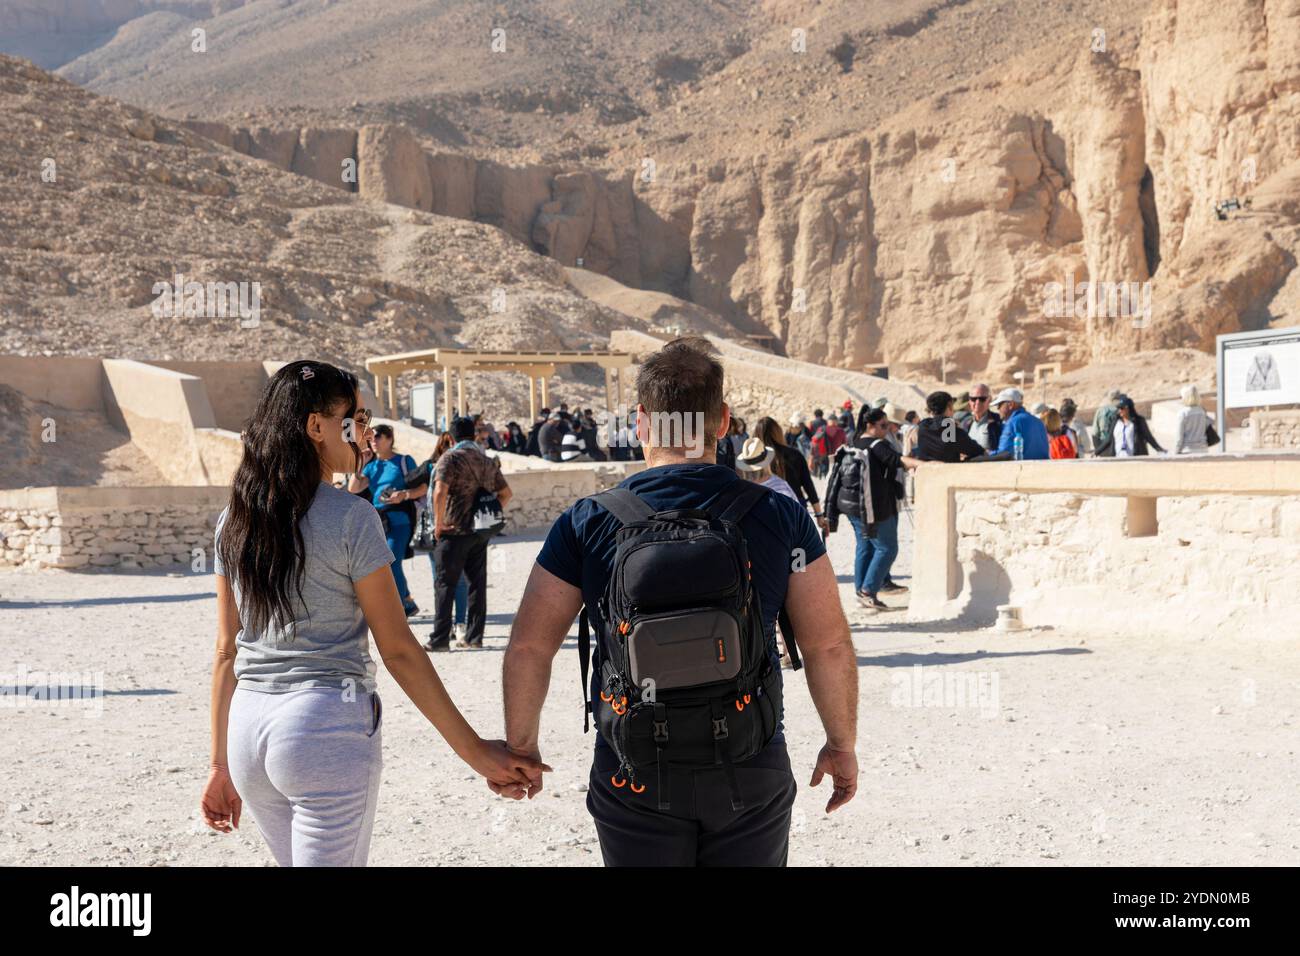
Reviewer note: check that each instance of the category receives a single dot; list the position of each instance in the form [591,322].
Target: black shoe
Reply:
[892,587]
[434,647]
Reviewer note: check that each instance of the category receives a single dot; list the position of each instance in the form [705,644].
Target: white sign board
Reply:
[424,405]
[1260,368]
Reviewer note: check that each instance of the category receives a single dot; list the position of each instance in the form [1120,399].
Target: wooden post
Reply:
[619,375]
[460,391]
[392,402]
[609,389]
[546,401]
[532,398]
[446,396]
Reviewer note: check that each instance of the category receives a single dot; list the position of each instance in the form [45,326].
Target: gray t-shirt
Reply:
[327,645]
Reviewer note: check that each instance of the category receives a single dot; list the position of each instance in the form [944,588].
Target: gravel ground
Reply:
[1047,747]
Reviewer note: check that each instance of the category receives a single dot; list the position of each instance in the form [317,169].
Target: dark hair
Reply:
[383,430]
[817,413]
[462,428]
[873,416]
[681,378]
[261,545]
[910,417]
[936,403]
[1068,408]
[445,441]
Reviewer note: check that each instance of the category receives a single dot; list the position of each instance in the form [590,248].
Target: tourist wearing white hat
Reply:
[755,463]
[1022,434]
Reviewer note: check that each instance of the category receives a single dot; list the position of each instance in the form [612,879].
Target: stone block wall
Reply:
[108,528]
[1277,429]
[1215,561]
[141,528]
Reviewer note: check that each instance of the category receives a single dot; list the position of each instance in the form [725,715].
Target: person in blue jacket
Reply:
[1017,422]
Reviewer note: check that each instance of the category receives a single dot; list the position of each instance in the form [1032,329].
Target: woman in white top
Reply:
[1193,424]
[755,463]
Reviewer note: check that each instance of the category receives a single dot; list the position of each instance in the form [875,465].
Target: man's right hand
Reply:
[842,765]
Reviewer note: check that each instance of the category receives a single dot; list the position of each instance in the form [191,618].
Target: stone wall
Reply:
[760,383]
[1276,428]
[133,528]
[108,528]
[1215,562]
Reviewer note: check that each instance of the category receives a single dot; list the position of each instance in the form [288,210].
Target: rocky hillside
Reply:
[914,186]
[102,203]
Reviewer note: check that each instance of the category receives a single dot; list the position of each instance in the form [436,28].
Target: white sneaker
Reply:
[460,632]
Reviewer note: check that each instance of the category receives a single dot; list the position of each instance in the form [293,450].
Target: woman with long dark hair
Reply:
[789,463]
[302,568]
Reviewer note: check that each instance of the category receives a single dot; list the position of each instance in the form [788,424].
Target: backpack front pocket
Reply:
[687,648]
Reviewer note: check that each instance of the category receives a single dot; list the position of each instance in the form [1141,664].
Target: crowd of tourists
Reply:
[689,605]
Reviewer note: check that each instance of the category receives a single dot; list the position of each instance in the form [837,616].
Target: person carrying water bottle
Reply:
[1022,433]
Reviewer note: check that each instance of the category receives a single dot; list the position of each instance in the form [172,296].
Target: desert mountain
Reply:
[103,206]
[913,183]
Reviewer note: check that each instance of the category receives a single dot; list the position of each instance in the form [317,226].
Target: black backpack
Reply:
[685,675]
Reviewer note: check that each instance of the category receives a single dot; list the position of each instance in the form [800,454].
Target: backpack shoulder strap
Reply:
[623,504]
[734,501]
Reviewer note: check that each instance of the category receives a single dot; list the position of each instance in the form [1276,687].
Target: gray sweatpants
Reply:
[306,763]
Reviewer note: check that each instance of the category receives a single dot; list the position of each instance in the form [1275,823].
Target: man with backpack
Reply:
[469,493]
[865,487]
[681,574]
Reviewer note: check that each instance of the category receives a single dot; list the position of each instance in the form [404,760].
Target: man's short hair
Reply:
[384,431]
[682,378]
[817,413]
[936,403]
[462,428]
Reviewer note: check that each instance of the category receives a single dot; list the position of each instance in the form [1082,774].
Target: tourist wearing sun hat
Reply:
[755,463]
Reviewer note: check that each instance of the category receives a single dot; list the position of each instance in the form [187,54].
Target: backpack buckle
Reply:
[661,732]
[720,731]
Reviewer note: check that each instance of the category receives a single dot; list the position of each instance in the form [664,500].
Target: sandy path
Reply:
[1095,749]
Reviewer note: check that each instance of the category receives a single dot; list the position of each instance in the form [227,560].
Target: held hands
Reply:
[842,765]
[220,804]
[508,773]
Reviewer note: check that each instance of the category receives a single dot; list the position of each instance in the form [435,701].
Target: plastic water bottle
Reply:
[1019,445]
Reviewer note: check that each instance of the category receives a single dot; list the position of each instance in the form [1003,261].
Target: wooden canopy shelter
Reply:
[538,366]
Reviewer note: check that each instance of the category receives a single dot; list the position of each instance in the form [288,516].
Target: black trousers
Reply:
[700,828]
[453,555]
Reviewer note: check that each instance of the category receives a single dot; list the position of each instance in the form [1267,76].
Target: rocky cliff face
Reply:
[964,232]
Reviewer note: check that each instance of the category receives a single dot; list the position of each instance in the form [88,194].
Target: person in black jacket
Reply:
[1131,434]
[864,488]
[534,446]
[789,464]
[939,437]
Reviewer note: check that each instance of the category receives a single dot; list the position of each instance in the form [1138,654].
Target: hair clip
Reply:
[308,372]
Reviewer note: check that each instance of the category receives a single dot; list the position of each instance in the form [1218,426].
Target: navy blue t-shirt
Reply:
[779,535]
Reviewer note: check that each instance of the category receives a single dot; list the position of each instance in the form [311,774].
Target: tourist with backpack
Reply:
[865,487]
[469,495]
[681,574]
